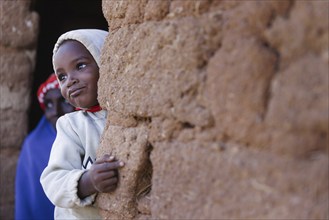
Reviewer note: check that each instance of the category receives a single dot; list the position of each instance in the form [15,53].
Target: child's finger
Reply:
[107,175]
[109,185]
[105,158]
[110,188]
[106,184]
[110,166]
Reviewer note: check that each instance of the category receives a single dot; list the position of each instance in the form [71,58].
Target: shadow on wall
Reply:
[57,17]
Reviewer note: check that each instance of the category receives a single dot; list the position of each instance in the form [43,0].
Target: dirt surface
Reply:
[232,97]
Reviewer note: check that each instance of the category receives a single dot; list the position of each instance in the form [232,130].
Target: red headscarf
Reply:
[50,83]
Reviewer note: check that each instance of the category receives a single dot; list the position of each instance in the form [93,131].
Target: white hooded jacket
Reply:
[74,149]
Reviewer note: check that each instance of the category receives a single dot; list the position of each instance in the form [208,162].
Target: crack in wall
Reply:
[268,90]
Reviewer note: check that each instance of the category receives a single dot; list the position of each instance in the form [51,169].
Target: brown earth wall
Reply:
[18,35]
[218,108]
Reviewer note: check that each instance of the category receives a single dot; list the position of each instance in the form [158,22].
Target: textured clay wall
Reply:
[18,35]
[218,108]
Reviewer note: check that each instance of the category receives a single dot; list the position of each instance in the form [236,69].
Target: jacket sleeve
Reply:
[23,185]
[60,178]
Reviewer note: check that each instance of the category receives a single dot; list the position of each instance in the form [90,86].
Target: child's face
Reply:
[56,106]
[77,73]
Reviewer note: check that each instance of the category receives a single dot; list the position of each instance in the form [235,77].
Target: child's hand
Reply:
[102,177]
[104,173]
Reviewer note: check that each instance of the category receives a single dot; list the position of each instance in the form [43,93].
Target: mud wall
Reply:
[218,108]
[18,35]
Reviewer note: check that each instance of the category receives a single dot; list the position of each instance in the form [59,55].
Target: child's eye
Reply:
[81,66]
[64,101]
[61,77]
[49,105]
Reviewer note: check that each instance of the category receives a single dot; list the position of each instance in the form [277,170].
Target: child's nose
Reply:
[72,80]
[54,111]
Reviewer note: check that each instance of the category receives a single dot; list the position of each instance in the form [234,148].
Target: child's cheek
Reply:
[63,92]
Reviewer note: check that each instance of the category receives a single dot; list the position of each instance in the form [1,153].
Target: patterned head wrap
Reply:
[50,83]
[92,39]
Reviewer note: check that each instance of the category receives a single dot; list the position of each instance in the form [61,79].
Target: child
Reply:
[74,176]
[30,200]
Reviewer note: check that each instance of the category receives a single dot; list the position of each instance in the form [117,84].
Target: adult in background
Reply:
[30,199]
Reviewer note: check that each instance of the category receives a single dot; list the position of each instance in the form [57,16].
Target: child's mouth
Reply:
[75,92]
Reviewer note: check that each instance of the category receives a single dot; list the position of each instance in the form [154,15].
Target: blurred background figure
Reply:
[30,200]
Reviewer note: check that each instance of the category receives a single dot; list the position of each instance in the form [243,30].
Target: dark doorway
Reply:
[56,18]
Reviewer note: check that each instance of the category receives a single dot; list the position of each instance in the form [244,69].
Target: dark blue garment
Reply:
[30,200]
